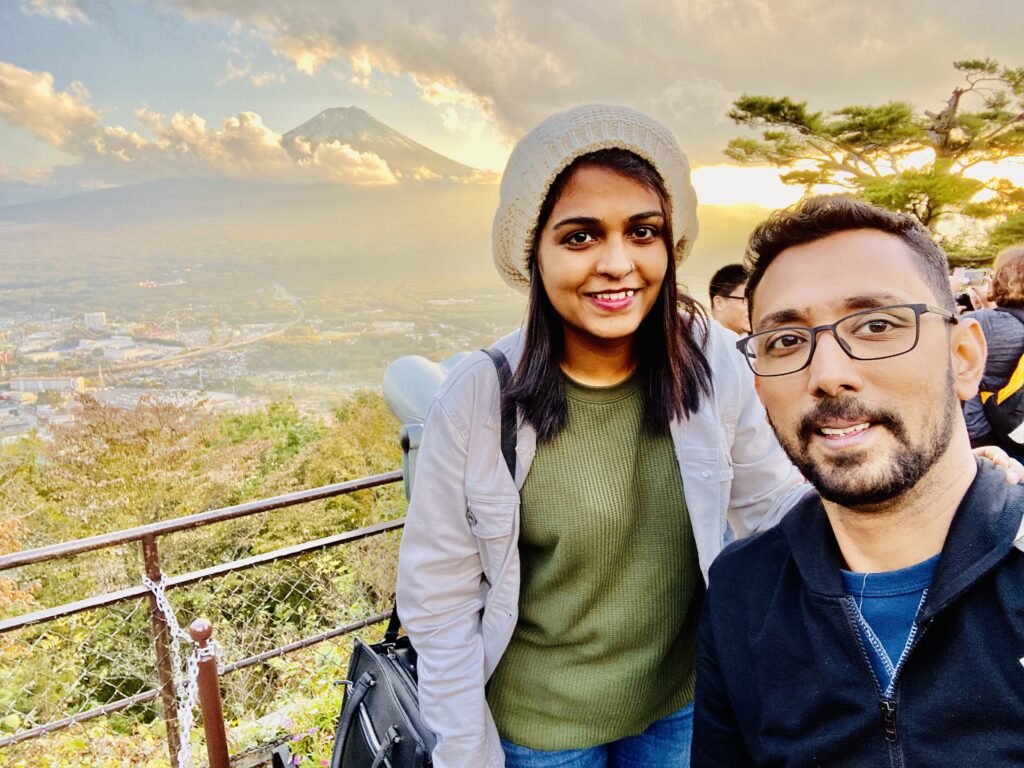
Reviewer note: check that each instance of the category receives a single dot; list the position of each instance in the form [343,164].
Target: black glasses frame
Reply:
[919,309]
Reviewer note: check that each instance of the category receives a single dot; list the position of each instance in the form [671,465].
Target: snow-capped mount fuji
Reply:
[364,133]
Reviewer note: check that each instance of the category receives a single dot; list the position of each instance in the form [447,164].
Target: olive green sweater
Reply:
[607,617]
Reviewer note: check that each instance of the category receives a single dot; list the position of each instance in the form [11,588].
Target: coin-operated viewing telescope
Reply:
[409,385]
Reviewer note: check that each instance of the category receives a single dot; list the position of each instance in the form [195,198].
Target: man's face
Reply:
[731,310]
[862,431]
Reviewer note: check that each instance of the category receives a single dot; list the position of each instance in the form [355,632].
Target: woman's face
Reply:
[601,255]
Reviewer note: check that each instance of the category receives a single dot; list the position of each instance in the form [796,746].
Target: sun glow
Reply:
[735,185]
[1012,171]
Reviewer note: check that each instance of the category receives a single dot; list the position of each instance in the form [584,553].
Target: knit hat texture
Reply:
[552,146]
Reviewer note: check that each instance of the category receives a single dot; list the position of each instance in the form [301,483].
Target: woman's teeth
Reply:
[614,296]
[845,431]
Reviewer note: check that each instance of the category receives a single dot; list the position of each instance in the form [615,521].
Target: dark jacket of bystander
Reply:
[1004,335]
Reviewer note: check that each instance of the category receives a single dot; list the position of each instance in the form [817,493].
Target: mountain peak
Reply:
[365,133]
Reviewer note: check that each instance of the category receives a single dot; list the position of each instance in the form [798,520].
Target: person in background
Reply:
[881,622]
[1002,322]
[728,304]
[555,609]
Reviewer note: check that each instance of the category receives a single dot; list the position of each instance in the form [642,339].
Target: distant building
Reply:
[393,326]
[38,342]
[18,398]
[46,356]
[96,321]
[46,384]
[125,354]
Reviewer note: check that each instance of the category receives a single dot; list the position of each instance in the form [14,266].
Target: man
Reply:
[881,623]
[728,304]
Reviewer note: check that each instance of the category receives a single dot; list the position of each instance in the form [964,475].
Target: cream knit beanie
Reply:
[552,146]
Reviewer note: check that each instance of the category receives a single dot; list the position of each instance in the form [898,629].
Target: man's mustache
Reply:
[846,409]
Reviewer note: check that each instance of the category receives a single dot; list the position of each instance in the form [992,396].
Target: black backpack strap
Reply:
[508,410]
[394,624]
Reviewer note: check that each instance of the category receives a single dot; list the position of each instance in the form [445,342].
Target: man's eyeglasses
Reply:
[739,298]
[871,334]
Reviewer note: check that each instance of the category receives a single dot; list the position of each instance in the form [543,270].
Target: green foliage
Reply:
[280,430]
[875,151]
[170,460]
[922,192]
[1007,233]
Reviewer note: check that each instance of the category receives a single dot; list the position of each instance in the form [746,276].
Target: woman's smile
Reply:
[614,301]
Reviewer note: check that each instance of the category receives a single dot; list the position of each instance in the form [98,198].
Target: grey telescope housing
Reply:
[409,386]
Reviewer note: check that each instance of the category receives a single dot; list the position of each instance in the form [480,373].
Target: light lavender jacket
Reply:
[458,570]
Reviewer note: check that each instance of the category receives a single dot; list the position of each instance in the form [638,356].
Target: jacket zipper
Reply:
[886,704]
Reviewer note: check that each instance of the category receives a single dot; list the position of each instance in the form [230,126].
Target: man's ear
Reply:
[968,353]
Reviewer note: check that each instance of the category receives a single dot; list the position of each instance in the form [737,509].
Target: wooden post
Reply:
[162,647]
[209,698]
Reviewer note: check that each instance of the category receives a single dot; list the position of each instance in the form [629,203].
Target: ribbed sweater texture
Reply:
[606,635]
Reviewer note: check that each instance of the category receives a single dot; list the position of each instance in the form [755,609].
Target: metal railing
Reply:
[120,643]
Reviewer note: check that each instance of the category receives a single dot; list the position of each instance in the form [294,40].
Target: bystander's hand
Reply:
[1013,468]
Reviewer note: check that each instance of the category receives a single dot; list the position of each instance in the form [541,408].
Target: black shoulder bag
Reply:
[380,725]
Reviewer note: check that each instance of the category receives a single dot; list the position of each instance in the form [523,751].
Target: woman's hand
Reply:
[1013,468]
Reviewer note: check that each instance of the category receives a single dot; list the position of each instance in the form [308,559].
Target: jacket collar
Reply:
[982,533]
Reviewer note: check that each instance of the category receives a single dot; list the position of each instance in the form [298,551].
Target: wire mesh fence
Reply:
[277,622]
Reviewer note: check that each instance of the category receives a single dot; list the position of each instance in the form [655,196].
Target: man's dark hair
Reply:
[671,364]
[727,279]
[818,217]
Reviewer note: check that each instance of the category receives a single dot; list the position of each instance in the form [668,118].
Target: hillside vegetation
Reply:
[116,468]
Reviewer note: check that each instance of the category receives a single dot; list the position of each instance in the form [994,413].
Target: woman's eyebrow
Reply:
[646,215]
[576,221]
[590,221]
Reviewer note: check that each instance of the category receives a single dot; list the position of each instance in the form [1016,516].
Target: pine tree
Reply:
[903,160]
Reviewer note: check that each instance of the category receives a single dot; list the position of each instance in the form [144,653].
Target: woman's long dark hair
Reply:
[671,365]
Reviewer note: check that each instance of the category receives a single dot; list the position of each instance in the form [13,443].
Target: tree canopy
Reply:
[893,156]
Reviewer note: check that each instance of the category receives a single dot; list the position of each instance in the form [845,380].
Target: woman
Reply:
[1002,322]
[574,588]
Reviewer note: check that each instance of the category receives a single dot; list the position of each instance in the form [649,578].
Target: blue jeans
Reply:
[665,744]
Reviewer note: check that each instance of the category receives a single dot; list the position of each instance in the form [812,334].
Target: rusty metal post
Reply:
[209,697]
[162,647]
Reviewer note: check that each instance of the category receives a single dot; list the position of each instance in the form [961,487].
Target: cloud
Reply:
[512,64]
[242,147]
[237,71]
[262,78]
[340,162]
[61,118]
[68,11]
[25,175]
[233,71]
[362,74]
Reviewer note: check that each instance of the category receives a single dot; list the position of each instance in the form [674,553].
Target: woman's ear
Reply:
[968,353]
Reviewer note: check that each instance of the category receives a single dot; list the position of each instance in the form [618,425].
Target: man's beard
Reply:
[837,478]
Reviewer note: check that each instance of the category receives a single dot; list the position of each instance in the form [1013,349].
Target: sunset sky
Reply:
[100,92]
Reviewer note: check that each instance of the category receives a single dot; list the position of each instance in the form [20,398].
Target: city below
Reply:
[47,361]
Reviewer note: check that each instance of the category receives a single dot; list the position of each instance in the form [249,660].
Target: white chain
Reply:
[186,690]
